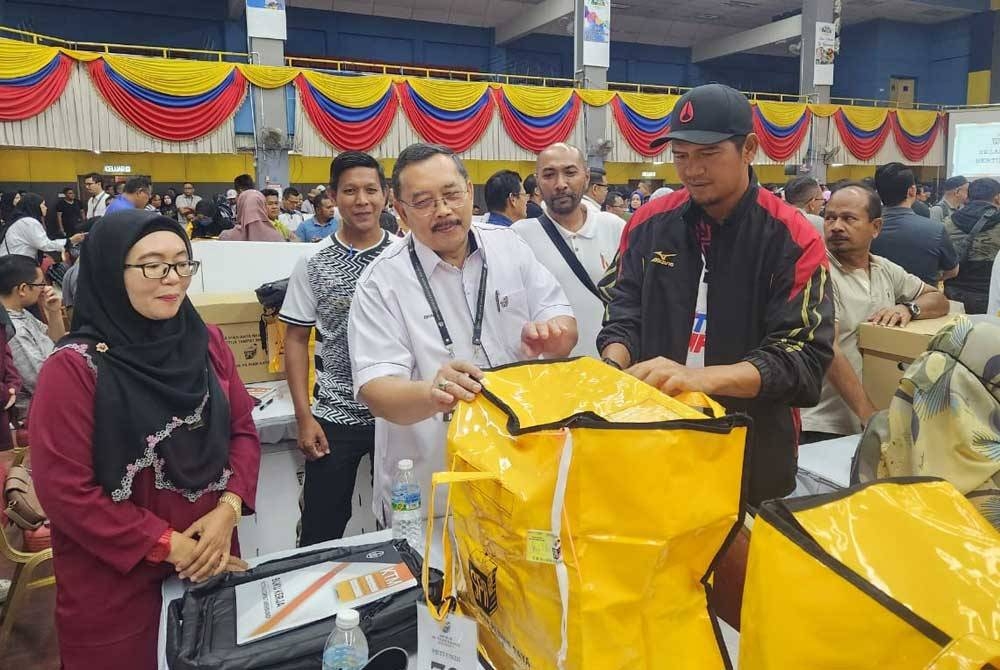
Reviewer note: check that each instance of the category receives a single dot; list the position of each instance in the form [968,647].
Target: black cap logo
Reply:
[687,113]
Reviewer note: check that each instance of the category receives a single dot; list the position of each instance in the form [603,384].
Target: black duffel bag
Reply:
[201,627]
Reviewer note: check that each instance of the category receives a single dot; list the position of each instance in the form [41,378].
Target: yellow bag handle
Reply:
[970,652]
[448,600]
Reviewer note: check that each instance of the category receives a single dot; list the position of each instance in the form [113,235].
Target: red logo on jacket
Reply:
[687,113]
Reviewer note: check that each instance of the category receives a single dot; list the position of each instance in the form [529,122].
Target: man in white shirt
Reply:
[186,202]
[597,189]
[434,308]
[291,215]
[574,242]
[866,288]
[98,203]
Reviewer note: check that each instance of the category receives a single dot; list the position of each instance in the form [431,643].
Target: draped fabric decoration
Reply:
[173,100]
[350,113]
[864,140]
[536,117]
[639,130]
[454,116]
[781,128]
[23,97]
[177,100]
[915,134]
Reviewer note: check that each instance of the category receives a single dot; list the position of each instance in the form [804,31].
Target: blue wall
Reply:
[939,56]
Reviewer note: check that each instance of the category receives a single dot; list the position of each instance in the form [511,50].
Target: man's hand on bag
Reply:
[669,376]
[211,553]
[456,380]
[312,439]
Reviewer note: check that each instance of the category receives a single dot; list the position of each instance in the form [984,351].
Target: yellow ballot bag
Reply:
[899,574]
[587,511]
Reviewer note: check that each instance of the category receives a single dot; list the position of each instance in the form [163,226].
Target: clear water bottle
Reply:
[406,523]
[346,648]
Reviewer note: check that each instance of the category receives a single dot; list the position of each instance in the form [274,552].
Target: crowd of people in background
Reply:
[409,313]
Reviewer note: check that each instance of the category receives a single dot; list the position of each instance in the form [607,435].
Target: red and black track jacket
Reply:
[769,303]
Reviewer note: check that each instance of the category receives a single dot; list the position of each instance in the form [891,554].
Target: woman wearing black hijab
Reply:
[26,233]
[144,450]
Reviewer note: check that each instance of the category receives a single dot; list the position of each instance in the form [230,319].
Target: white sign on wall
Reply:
[266,18]
[597,33]
[825,51]
[117,169]
[976,152]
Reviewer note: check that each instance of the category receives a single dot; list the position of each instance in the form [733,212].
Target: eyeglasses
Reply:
[161,270]
[425,206]
[43,285]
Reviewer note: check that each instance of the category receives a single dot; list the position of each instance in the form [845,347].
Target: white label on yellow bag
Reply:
[446,645]
[542,546]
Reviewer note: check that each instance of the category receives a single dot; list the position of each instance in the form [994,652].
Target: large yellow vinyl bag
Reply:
[897,575]
[588,510]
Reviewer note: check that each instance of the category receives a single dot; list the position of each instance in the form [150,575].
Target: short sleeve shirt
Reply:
[319,294]
[857,295]
[72,215]
[392,332]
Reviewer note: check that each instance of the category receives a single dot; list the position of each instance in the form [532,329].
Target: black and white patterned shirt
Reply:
[319,294]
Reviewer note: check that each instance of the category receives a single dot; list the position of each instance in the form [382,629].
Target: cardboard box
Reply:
[238,316]
[886,353]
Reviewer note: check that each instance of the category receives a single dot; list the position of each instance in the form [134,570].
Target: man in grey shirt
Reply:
[956,195]
[921,246]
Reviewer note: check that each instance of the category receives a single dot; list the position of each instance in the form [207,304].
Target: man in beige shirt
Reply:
[866,288]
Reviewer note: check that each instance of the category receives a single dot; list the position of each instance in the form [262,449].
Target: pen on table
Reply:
[264,405]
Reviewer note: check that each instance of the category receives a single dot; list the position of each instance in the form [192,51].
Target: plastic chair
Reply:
[26,565]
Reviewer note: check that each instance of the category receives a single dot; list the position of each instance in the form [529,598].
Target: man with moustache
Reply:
[337,431]
[723,288]
[445,301]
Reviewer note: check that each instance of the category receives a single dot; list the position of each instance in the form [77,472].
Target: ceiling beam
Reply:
[749,39]
[533,18]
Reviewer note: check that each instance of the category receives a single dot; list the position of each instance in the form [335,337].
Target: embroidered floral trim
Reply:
[81,349]
[150,458]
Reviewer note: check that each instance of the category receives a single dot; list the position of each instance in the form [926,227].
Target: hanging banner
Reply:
[266,18]
[597,33]
[825,51]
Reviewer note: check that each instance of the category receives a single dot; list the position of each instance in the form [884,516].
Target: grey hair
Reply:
[418,153]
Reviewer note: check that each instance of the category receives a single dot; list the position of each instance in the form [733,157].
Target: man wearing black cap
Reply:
[723,288]
[956,194]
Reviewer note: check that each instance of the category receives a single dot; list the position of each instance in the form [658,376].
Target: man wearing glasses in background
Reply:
[436,308]
[597,190]
[98,203]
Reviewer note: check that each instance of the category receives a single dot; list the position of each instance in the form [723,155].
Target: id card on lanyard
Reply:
[479,358]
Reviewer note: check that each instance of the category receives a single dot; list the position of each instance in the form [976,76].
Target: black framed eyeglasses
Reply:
[42,285]
[159,270]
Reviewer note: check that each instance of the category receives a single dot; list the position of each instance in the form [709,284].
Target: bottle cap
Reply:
[405,464]
[348,619]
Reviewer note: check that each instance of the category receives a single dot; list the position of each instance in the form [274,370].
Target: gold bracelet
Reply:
[233,501]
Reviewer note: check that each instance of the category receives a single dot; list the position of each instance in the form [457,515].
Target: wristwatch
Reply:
[612,362]
[914,309]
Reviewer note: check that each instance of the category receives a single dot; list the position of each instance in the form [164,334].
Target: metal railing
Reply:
[123,49]
[360,67]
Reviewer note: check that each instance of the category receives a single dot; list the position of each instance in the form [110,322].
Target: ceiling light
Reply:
[706,17]
[741,3]
[620,5]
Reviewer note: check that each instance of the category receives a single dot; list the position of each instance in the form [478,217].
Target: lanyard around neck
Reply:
[425,286]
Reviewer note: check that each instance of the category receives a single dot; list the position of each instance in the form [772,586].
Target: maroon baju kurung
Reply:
[107,596]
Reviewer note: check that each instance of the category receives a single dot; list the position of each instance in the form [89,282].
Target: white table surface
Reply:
[830,460]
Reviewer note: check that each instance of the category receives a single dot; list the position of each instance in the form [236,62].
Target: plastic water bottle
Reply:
[346,648]
[406,523]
